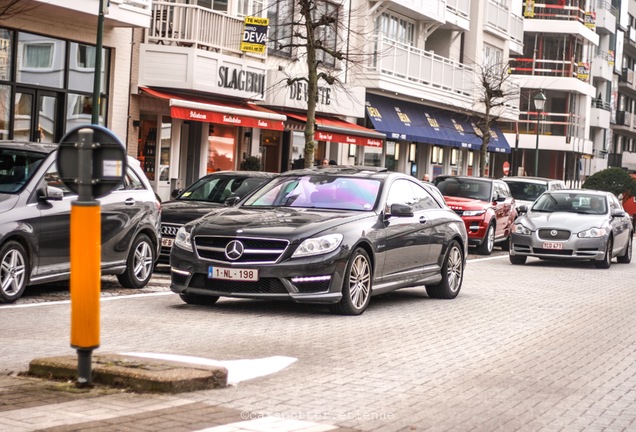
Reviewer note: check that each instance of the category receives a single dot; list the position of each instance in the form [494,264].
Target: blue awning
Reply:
[402,120]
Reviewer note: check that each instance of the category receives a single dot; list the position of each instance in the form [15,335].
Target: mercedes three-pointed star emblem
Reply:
[234,250]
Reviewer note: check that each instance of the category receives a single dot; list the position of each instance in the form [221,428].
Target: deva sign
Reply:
[254,35]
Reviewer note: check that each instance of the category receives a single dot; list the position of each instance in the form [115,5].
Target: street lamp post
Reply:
[539,104]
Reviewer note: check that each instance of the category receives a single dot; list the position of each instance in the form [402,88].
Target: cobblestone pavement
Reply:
[540,347]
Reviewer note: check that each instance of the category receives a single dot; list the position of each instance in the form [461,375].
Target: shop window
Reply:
[221,148]
[5,103]
[147,150]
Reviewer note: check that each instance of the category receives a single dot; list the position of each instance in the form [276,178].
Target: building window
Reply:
[327,33]
[6,44]
[38,56]
[492,56]
[437,155]
[251,8]
[86,56]
[280,16]
[396,28]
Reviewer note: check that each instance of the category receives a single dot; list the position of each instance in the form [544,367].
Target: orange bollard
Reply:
[85,274]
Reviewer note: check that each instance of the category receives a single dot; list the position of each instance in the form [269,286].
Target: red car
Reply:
[486,206]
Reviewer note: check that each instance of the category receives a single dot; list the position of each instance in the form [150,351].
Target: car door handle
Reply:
[129,201]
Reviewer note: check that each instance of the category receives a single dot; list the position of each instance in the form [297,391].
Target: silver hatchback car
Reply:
[573,224]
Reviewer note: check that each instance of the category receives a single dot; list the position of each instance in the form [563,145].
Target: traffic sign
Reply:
[506,168]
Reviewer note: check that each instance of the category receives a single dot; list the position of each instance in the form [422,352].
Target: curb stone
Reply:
[134,373]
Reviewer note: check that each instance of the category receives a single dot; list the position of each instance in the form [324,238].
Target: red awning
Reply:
[336,130]
[212,111]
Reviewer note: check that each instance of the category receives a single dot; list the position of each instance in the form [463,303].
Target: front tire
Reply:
[452,275]
[356,286]
[486,246]
[13,271]
[139,264]
[606,262]
[626,258]
[518,259]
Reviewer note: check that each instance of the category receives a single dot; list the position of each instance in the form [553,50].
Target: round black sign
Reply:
[91,161]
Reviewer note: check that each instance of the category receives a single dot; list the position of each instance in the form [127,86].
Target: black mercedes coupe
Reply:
[335,235]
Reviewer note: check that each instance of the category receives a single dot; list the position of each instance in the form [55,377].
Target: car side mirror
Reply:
[401,210]
[231,200]
[176,192]
[50,193]
[618,213]
[522,209]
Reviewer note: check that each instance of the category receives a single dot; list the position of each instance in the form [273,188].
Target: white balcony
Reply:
[605,17]
[118,13]
[497,17]
[516,34]
[458,14]
[603,66]
[600,115]
[402,68]
[187,25]
[427,10]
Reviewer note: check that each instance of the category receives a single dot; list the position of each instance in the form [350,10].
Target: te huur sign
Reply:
[255,35]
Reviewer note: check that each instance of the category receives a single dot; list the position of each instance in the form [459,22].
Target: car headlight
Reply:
[521,229]
[183,239]
[593,233]
[473,212]
[318,245]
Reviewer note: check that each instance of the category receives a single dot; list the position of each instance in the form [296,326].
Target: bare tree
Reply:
[495,92]
[12,8]
[314,30]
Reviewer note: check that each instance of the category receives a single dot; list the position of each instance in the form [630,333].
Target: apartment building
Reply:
[47,66]
[422,82]
[571,56]
[621,151]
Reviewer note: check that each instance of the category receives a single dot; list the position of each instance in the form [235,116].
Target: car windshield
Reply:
[318,191]
[574,202]
[16,168]
[217,189]
[526,191]
[464,188]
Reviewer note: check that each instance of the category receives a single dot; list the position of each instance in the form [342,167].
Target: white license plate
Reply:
[233,274]
[552,245]
[166,242]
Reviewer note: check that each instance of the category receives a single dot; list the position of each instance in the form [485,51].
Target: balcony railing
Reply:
[516,28]
[530,66]
[552,123]
[459,7]
[191,25]
[601,104]
[497,16]
[556,10]
[606,5]
[403,61]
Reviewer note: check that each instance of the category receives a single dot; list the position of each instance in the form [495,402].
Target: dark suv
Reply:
[486,206]
[35,211]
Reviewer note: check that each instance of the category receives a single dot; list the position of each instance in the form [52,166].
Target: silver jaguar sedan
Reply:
[576,224]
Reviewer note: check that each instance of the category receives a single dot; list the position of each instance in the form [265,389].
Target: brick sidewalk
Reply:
[31,404]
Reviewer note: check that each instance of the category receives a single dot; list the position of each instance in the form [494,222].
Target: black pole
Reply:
[98,64]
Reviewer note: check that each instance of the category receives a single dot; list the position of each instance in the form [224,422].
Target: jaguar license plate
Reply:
[250,275]
[166,242]
[552,245]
